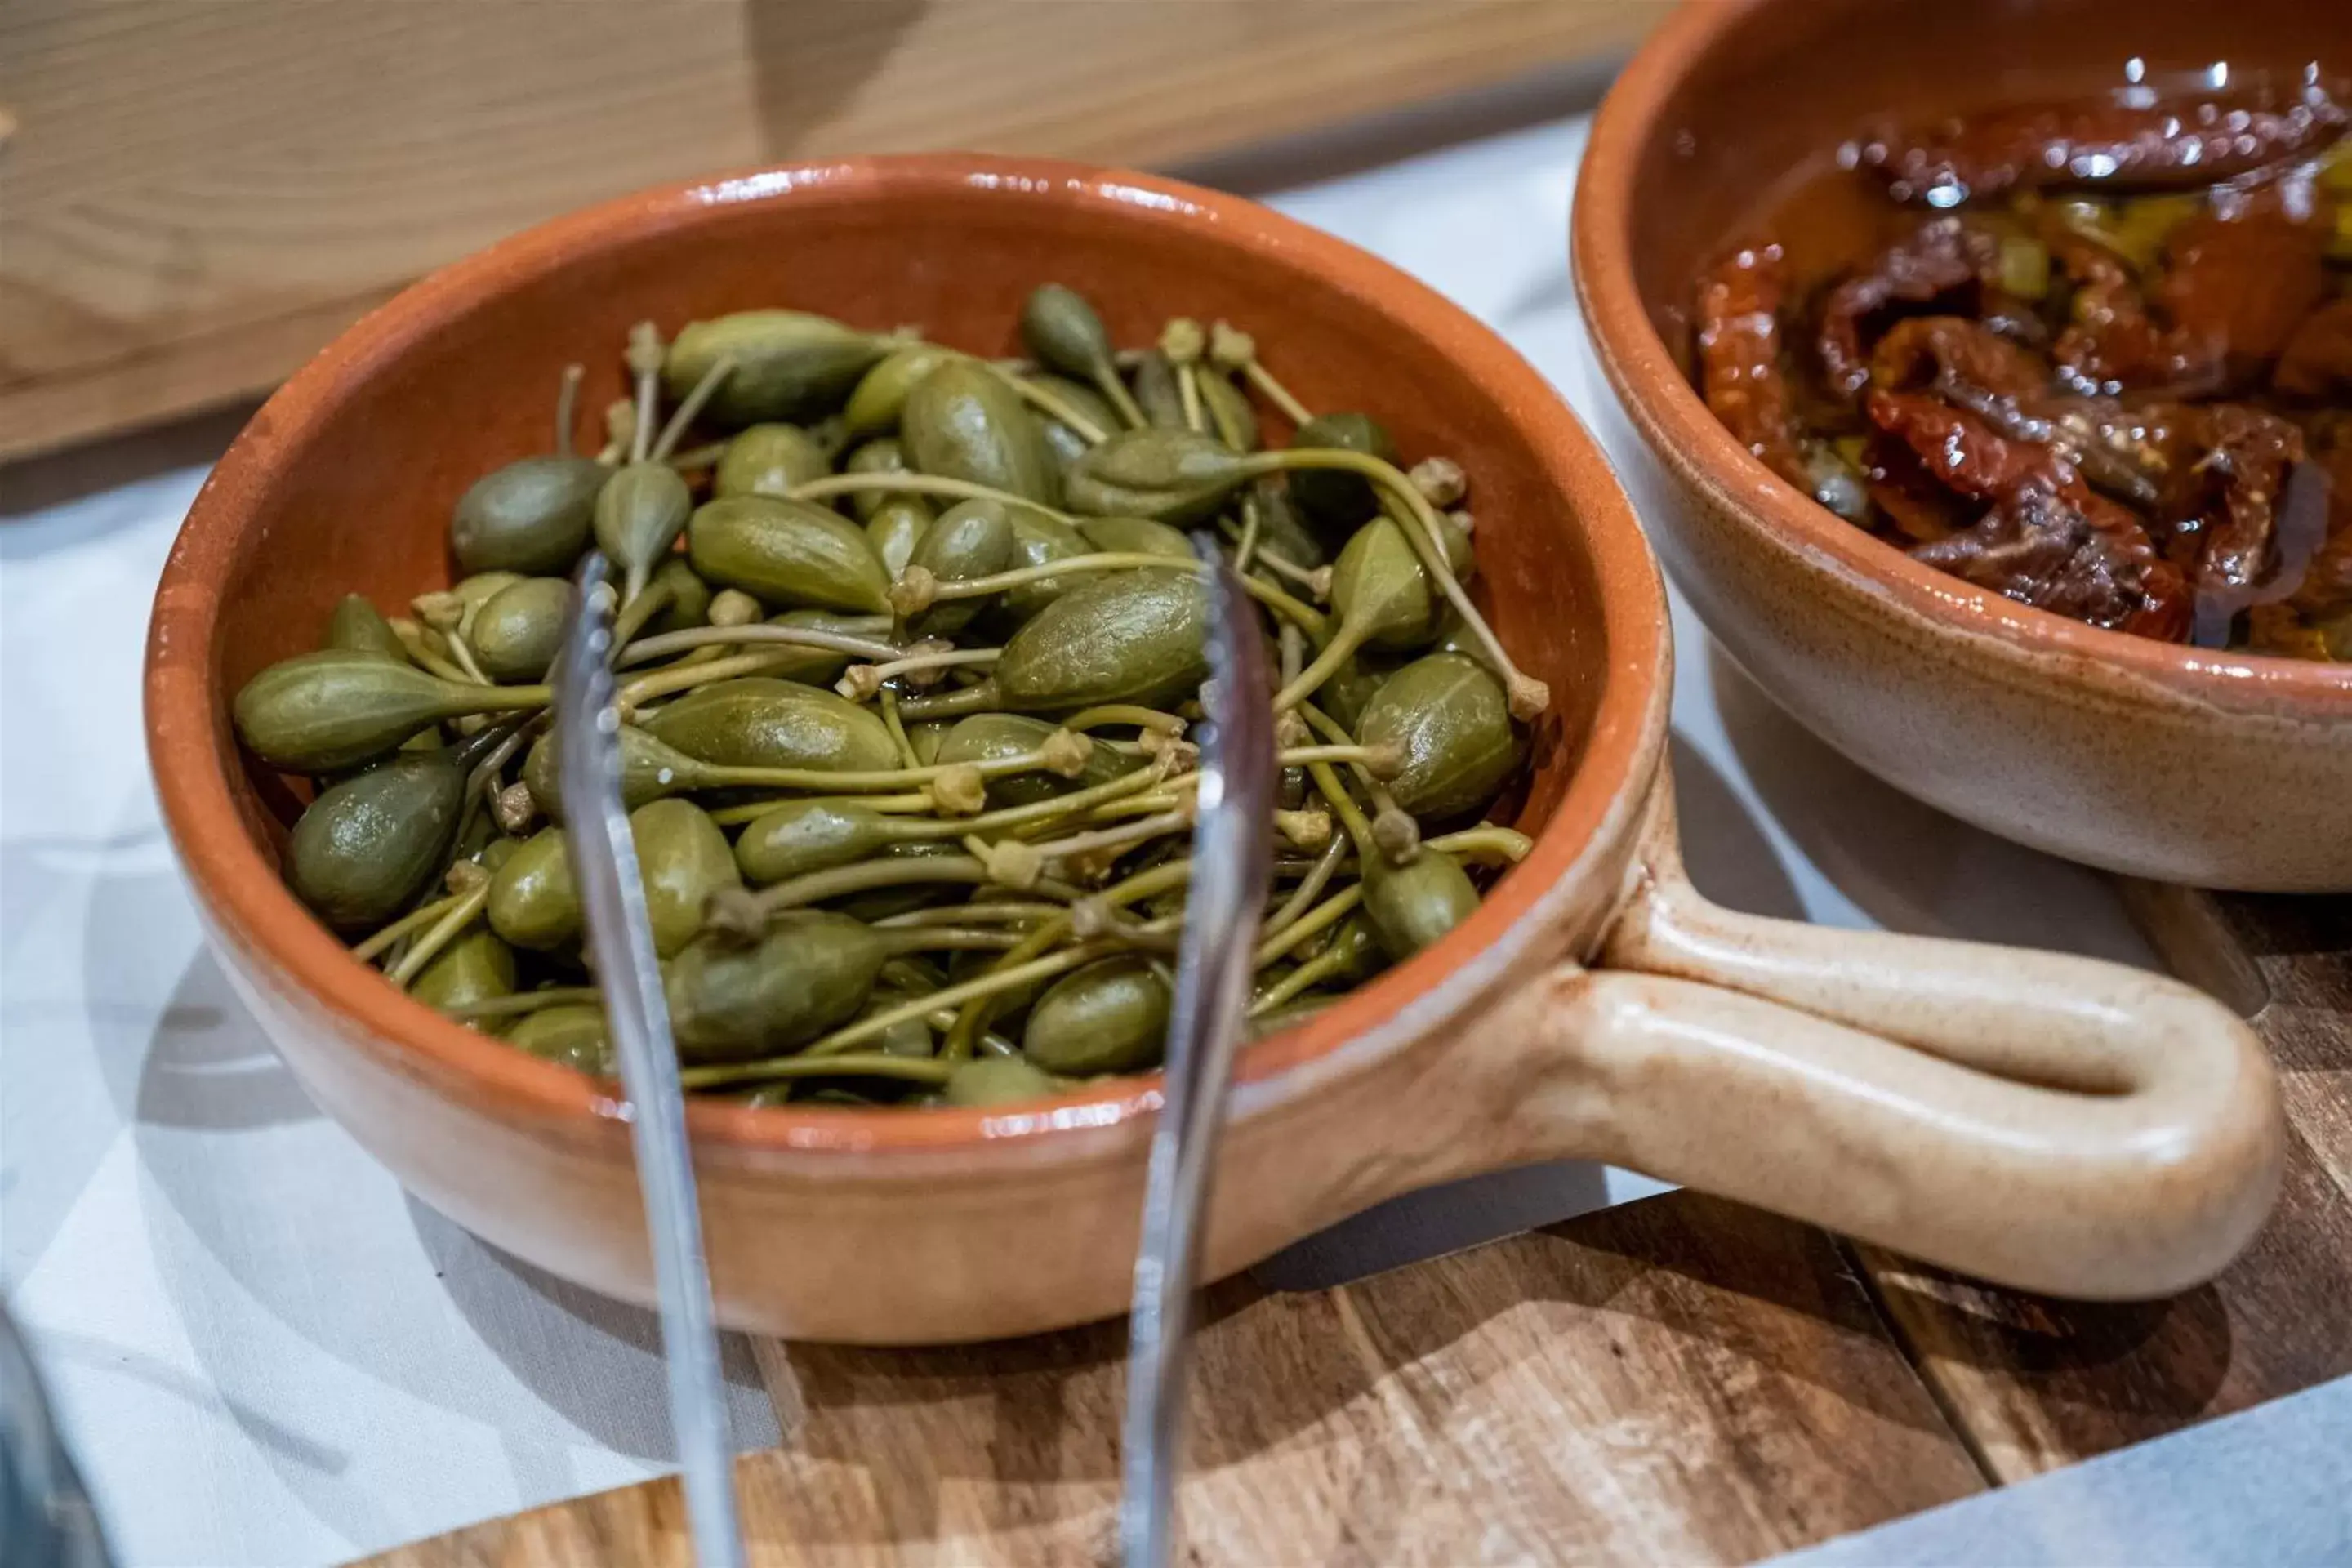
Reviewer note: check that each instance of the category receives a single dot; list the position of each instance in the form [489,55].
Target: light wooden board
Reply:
[199,193]
[1675,1381]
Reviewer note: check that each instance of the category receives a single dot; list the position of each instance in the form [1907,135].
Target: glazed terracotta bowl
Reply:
[2214,769]
[2048,1121]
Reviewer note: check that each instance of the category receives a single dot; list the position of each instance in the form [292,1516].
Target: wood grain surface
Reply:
[200,192]
[2036,1384]
[1677,1380]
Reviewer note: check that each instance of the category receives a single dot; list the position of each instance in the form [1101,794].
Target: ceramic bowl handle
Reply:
[2049,1123]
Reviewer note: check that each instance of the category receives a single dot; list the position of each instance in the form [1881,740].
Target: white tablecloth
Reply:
[263,1352]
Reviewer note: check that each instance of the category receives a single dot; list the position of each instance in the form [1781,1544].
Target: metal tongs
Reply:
[621,940]
[1231,866]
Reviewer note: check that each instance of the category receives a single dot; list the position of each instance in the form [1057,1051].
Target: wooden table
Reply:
[199,195]
[1680,1379]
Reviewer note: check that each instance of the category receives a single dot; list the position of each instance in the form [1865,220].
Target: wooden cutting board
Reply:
[199,194]
[1677,1380]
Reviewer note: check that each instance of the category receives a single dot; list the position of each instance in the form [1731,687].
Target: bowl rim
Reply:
[1673,417]
[247,905]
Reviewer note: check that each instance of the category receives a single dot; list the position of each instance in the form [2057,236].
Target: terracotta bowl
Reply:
[2048,1121]
[2213,768]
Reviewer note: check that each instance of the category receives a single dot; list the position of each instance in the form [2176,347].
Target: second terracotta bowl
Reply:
[2213,768]
[2051,1122]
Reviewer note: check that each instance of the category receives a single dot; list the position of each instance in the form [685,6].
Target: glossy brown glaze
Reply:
[1493,1047]
[2212,768]
[344,480]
